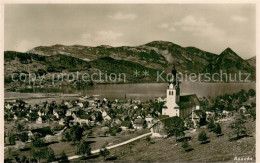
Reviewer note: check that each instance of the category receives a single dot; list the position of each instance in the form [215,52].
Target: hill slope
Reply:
[252,61]
[152,57]
[229,62]
[157,54]
[53,65]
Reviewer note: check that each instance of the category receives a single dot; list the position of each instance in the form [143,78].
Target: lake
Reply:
[146,91]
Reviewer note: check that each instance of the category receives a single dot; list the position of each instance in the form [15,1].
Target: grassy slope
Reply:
[219,149]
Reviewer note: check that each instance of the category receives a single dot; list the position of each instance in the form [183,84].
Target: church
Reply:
[176,105]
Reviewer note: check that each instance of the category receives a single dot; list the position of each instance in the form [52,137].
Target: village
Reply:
[58,131]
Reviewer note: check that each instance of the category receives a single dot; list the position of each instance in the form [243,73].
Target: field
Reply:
[218,149]
[70,149]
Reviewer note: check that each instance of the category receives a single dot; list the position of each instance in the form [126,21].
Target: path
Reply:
[113,146]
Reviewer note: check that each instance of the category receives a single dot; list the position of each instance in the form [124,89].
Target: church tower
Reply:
[176,83]
[171,107]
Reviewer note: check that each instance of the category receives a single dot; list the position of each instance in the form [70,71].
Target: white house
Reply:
[39,120]
[149,120]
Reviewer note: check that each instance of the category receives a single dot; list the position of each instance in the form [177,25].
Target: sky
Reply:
[210,27]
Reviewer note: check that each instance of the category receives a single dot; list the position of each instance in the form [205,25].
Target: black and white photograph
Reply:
[129,82]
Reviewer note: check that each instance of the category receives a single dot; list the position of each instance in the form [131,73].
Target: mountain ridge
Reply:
[153,56]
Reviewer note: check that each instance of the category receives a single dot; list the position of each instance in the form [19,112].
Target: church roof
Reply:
[188,101]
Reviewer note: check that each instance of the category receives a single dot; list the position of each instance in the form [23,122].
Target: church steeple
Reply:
[174,75]
[174,72]
[174,84]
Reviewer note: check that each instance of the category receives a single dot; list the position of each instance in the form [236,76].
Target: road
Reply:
[113,146]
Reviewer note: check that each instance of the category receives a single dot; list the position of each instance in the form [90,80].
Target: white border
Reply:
[3,2]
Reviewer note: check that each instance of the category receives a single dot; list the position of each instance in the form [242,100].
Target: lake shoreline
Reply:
[143,91]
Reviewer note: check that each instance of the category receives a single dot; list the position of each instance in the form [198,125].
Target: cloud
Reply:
[121,16]
[26,45]
[163,26]
[102,37]
[200,27]
[86,36]
[239,19]
[167,26]
[108,35]
[190,23]
[172,29]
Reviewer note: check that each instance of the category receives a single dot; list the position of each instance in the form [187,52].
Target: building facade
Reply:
[176,105]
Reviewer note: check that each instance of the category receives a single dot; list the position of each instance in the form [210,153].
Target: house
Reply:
[138,123]
[30,135]
[209,114]
[126,125]
[227,113]
[176,105]
[56,114]
[149,120]
[8,106]
[160,99]
[158,128]
[105,116]
[80,104]
[61,121]
[242,109]
[39,120]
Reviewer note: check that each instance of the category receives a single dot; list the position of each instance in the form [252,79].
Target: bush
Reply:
[83,148]
[50,155]
[104,152]
[185,144]
[238,126]
[148,139]
[211,124]
[24,137]
[12,139]
[217,129]
[64,157]
[202,137]
[251,92]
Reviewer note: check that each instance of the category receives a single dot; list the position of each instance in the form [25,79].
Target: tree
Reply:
[145,125]
[104,152]
[211,124]
[251,92]
[50,155]
[66,136]
[24,137]
[19,127]
[39,153]
[253,104]
[185,144]
[217,130]
[24,159]
[84,148]
[253,114]
[238,126]
[64,157]
[12,139]
[6,117]
[38,143]
[76,133]
[202,137]
[148,139]
[175,126]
